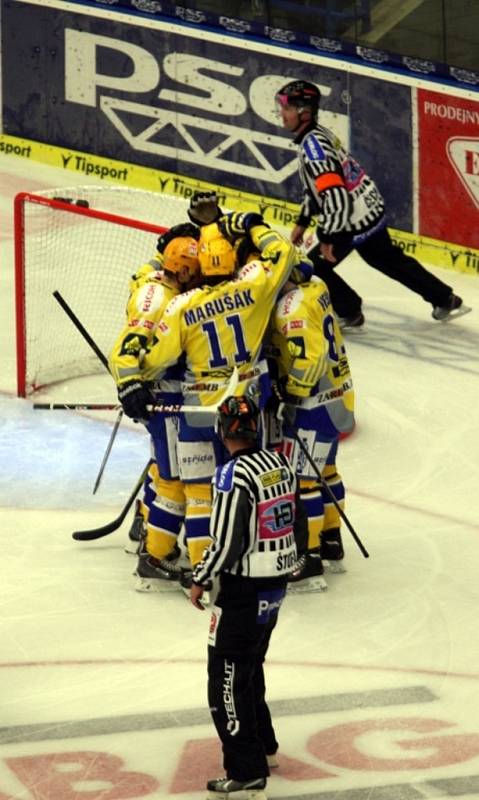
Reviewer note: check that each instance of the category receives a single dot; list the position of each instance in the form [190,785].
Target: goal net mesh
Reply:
[89,261]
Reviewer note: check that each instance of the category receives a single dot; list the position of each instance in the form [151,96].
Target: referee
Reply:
[257,529]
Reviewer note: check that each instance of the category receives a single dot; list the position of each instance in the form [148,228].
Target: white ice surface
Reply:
[373,684]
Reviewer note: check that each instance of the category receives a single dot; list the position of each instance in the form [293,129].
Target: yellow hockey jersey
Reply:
[311,354]
[222,327]
[149,296]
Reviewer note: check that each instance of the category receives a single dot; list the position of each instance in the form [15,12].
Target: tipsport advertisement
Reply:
[187,103]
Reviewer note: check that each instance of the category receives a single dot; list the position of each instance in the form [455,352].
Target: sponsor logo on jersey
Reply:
[313,149]
[269,603]
[294,324]
[275,517]
[275,476]
[224,477]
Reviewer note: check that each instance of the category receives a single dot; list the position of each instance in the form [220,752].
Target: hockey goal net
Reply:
[83,242]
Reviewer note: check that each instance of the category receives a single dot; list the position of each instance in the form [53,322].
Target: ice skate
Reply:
[156,574]
[136,532]
[307,575]
[332,551]
[354,323]
[224,788]
[454,308]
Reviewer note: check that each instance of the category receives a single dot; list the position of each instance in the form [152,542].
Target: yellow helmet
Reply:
[217,256]
[181,252]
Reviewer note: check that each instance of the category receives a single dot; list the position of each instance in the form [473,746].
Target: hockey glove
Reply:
[204,208]
[134,398]
[234,226]
[183,229]
[280,403]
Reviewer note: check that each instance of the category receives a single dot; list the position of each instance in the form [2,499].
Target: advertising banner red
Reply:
[448,136]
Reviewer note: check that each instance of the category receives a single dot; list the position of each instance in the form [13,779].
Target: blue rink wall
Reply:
[196,103]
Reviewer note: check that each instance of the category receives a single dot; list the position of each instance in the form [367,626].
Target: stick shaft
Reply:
[328,491]
[68,311]
[108,451]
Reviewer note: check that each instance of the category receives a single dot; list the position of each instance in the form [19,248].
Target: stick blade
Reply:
[95,533]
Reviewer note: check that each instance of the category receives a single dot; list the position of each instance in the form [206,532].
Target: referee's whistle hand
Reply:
[196,593]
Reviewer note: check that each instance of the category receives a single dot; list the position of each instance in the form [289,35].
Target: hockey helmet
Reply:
[301,94]
[182,251]
[238,418]
[217,256]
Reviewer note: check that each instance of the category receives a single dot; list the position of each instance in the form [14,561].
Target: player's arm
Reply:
[167,345]
[307,347]
[144,309]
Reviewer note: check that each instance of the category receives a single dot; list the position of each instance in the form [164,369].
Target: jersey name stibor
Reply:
[219,305]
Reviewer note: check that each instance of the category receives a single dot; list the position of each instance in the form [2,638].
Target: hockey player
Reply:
[255,523]
[350,213]
[316,381]
[218,327]
[163,508]
[145,273]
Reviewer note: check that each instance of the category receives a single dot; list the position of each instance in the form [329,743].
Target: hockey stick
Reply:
[78,325]
[108,450]
[76,406]
[104,530]
[160,408]
[326,488]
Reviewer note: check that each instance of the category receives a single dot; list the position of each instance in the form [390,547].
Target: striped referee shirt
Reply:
[254,518]
[336,189]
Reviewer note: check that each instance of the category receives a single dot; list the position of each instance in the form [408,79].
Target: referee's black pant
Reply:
[382,254]
[243,619]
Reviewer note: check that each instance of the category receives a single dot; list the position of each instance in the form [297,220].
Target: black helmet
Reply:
[238,418]
[300,93]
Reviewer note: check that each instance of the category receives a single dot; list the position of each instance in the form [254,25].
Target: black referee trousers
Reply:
[236,685]
[382,254]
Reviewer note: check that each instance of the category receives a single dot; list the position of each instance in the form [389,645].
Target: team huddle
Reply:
[224,293]
[228,322]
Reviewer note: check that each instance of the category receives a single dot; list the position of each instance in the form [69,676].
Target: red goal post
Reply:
[84,242]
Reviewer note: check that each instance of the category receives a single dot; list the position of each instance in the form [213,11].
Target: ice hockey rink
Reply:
[373,684]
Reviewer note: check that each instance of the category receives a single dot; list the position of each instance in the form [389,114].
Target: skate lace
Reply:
[300,564]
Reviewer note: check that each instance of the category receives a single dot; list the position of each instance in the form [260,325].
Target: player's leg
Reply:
[331,546]
[165,503]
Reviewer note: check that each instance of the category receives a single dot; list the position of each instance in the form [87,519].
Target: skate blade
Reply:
[308,586]
[246,794]
[355,331]
[334,567]
[458,312]
[155,585]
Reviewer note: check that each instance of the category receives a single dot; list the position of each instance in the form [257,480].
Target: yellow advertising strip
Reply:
[276,212]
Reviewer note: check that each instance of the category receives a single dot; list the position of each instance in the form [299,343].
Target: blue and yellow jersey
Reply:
[145,307]
[311,354]
[222,327]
